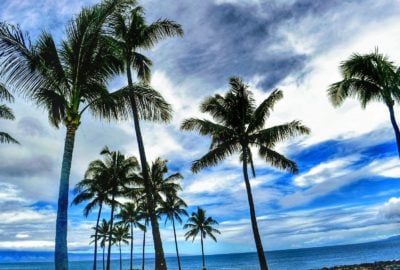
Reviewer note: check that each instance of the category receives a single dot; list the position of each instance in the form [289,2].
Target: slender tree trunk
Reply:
[131,262]
[110,233]
[61,249]
[95,238]
[104,265]
[202,251]
[395,126]
[159,252]
[120,257]
[144,243]
[176,244]
[257,239]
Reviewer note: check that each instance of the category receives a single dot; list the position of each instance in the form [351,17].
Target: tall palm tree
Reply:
[120,171]
[103,231]
[200,223]
[173,208]
[238,126]
[369,77]
[131,33]
[120,234]
[67,80]
[131,214]
[93,188]
[6,113]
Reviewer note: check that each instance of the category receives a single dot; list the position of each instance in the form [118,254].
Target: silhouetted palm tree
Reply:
[239,125]
[6,113]
[200,223]
[120,171]
[173,207]
[66,80]
[131,33]
[95,187]
[131,214]
[120,234]
[369,77]
[103,232]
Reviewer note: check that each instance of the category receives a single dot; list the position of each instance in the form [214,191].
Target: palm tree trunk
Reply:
[95,238]
[120,257]
[110,233]
[131,263]
[61,249]
[395,127]
[202,251]
[176,244]
[159,252]
[257,239]
[144,243]
[104,265]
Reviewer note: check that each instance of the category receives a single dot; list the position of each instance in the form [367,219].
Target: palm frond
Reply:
[277,160]
[6,138]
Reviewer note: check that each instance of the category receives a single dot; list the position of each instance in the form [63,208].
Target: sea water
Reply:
[299,259]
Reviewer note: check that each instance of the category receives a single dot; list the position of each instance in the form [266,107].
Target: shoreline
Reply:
[380,265]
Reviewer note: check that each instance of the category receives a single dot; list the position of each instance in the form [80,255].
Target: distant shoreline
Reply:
[387,265]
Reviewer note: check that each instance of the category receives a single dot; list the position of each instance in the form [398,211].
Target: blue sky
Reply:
[347,190]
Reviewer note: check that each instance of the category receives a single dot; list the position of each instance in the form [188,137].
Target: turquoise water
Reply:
[299,259]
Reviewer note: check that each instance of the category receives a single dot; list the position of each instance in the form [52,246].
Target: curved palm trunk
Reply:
[120,257]
[61,249]
[95,238]
[257,239]
[159,252]
[110,233]
[176,244]
[144,243]
[202,251]
[131,262]
[395,127]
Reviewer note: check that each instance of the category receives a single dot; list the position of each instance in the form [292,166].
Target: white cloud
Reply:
[391,209]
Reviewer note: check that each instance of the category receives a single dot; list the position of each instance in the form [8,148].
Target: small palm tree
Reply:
[102,231]
[131,33]
[6,113]
[369,77]
[131,214]
[238,126]
[200,223]
[120,234]
[94,188]
[173,208]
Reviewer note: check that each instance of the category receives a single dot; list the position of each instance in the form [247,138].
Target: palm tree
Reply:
[120,234]
[145,217]
[369,77]
[173,207]
[131,33]
[131,215]
[94,187]
[199,223]
[6,113]
[120,171]
[66,80]
[239,125]
[103,231]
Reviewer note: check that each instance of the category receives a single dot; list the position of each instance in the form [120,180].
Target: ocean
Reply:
[299,259]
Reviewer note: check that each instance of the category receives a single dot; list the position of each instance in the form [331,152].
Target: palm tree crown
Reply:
[199,223]
[369,77]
